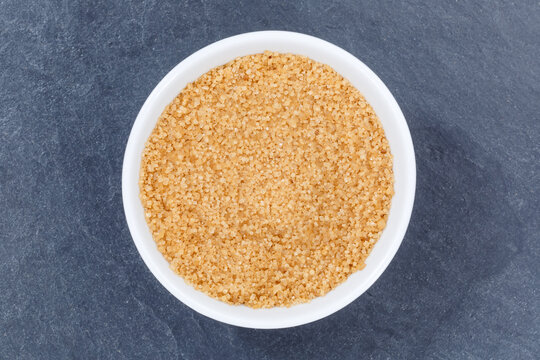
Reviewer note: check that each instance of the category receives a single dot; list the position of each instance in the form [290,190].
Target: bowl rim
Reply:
[132,158]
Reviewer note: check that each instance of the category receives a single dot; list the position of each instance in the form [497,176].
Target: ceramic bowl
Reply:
[395,127]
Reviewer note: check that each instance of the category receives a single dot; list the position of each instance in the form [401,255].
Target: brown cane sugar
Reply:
[267,181]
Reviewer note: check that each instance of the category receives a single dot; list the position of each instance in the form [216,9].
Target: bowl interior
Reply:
[396,131]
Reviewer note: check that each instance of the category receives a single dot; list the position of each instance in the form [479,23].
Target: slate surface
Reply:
[465,282]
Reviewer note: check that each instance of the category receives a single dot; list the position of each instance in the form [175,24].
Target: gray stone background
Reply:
[464,284]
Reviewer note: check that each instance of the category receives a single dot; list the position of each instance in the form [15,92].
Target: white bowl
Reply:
[396,131]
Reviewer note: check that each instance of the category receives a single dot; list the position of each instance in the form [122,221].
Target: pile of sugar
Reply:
[267,181]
